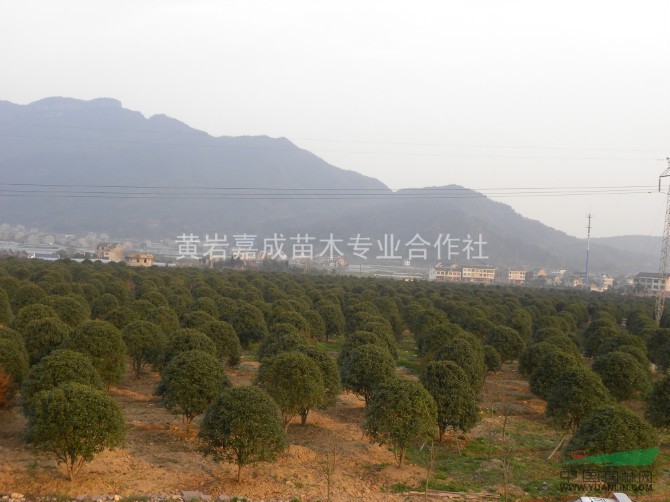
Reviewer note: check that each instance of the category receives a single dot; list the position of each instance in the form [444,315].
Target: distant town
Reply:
[19,240]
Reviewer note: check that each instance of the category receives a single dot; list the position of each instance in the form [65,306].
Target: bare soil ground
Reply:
[160,456]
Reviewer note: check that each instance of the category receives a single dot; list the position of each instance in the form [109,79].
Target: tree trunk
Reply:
[401,456]
[303,417]
[239,472]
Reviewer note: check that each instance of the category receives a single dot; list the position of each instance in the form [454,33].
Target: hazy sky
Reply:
[488,94]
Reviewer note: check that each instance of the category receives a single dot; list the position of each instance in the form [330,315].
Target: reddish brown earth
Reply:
[161,457]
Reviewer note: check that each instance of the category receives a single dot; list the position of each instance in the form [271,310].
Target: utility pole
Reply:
[588,248]
[662,275]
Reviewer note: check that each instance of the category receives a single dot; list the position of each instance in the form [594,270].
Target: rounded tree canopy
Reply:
[227,343]
[454,397]
[104,344]
[75,422]
[399,413]
[190,382]
[32,312]
[41,336]
[60,366]
[575,395]
[506,341]
[658,404]
[243,426]
[550,368]
[294,381]
[365,368]
[187,339]
[622,374]
[612,429]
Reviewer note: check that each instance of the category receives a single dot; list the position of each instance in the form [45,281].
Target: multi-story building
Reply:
[650,282]
[517,277]
[109,251]
[140,260]
[480,275]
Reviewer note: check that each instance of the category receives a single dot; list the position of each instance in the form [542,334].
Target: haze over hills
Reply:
[73,166]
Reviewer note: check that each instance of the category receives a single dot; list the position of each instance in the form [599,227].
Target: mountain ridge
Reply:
[156,177]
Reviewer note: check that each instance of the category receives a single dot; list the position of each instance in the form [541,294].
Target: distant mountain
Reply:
[75,166]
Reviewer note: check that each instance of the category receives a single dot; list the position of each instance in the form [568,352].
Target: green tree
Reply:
[575,395]
[41,336]
[104,345]
[282,338]
[329,372]
[436,337]
[103,305]
[365,368]
[658,404]
[468,353]
[13,367]
[75,422]
[622,374]
[455,399]
[186,339]
[145,343]
[190,382]
[333,317]
[551,367]
[249,324]
[25,295]
[60,366]
[492,359]
[6,314]
[70,309]
[121,317]
[197,319]
[612,429]
[532,356]
[399,413]
[506,341]
[243,426]
[227,343]
[295,382]
[317,326]
[165,318]
[30,313]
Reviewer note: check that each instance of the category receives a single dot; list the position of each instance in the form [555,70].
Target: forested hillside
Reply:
[73,166]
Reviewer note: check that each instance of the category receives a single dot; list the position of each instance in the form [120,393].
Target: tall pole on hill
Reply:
[588,248]
[662,275]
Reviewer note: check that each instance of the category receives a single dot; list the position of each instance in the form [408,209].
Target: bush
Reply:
[184,340]
[658,404]
[574,396]
[243,426]
[41,336]
[365,368]
[612,429]
[506,341]
[227,343]
[190,382]
[75,422]
[60,366]
[491,359]
[455,399]
[400,412]
[145,344]
[295,382]
[103,343]
[622,374]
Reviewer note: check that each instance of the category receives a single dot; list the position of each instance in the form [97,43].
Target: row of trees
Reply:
[191,324]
